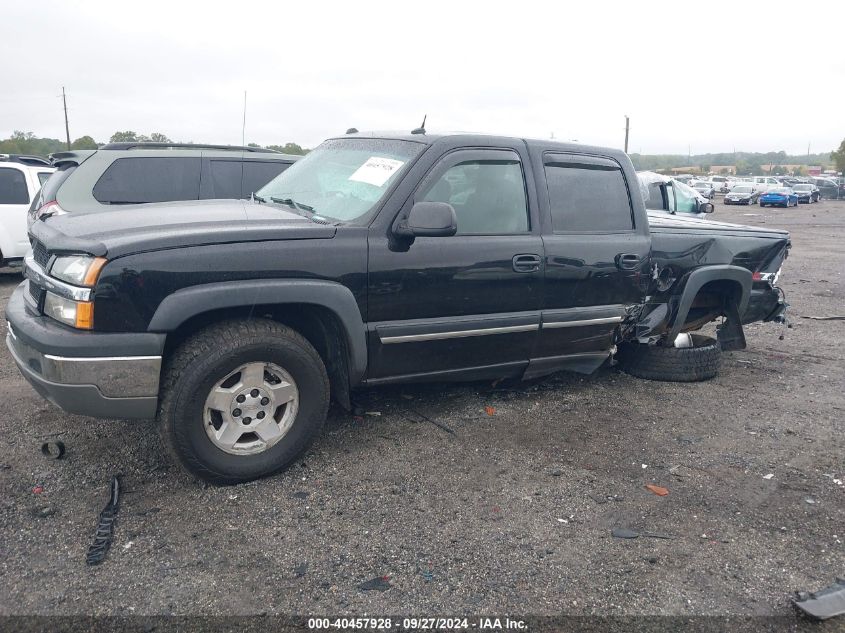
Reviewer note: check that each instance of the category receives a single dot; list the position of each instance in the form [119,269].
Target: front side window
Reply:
[13,187]
[589,196]
[488,196]
[342,179]
[149,179]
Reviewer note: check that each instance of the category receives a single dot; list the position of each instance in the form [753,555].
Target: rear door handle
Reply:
[526,263]
[628,261]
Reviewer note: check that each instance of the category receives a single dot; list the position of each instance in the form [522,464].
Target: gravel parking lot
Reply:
[474,498]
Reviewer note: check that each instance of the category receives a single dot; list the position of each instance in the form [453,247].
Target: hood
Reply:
[121,231]
[666,222]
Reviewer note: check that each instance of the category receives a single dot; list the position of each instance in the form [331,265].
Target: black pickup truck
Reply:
[376,259]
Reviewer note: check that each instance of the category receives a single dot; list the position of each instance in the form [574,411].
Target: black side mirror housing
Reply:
[706,207]
[429,219]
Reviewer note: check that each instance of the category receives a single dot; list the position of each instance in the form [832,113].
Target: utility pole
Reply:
[67,129]
[627,127]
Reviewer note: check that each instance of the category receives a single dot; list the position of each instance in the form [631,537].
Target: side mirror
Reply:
[429,219]
[706,207]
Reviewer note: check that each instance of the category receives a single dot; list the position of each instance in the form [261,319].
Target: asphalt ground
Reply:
[450,500]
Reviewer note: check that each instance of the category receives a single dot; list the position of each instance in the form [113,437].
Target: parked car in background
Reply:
[121,174]
[706,189]
[742,194]
[20,179]
[828,188]
[721,183]
[780,197]
[764,183]
[666,194]
[806,192]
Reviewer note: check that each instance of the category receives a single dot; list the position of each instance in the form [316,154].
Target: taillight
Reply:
[758,276]
[49,208]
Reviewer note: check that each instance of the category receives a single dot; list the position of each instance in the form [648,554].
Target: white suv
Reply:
[20,179]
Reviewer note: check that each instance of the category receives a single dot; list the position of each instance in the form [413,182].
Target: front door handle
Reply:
[628,261]
[526,263]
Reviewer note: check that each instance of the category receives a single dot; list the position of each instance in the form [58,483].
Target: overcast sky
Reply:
[708,76]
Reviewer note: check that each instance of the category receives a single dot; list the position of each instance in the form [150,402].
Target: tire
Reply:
[208,359]
[673,364]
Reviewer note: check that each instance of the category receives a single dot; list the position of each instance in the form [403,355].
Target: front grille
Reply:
[36,293]
[40,254]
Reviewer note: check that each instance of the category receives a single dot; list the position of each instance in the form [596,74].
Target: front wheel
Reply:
[242,399]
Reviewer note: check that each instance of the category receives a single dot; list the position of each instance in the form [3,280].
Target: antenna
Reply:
[421,128]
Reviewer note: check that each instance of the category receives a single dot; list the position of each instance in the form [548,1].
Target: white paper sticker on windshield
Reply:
[376,170]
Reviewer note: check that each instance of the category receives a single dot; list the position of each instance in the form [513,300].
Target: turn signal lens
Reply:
[78,314]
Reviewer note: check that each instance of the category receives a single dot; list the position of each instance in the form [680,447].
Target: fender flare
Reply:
[183,304]
[701,276]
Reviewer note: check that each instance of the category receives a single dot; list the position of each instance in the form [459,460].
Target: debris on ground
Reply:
[622,532]
[769,476]
[824,604]
[37,489]
[660,491]
[43,512]
[105,526]
[379,583]
[53,450]
[300,570]
[836,317]
[416,417]
[490,410]
[300,494]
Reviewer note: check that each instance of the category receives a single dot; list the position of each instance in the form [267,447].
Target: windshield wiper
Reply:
[257,198]
[293,203]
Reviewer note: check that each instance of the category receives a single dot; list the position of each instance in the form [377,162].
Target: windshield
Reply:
[803,187]
[343,179]
[702,185]
[781,190]
[741,190]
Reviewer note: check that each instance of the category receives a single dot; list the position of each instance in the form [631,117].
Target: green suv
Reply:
[87,181]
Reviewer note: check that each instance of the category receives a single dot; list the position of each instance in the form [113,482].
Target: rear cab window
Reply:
[149,179]
[587,194]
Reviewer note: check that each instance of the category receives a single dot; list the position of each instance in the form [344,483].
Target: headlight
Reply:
[78,314]
[81,270]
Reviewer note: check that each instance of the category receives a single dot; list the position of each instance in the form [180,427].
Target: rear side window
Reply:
[149,179]
[13,187]
[587,195]
[226,177]
[50,189]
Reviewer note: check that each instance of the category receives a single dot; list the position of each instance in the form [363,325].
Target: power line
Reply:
[67,128]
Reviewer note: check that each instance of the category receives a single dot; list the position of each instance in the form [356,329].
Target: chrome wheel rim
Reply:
[251,409]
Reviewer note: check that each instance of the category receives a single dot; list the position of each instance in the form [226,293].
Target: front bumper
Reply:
[97,374]
[738,201]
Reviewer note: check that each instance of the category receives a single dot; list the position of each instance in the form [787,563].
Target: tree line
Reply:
[27,143]
[746,163]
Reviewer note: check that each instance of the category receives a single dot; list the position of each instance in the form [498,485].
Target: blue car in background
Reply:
[779,196]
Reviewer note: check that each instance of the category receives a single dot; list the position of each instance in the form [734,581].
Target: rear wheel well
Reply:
[319,325]
[709,302]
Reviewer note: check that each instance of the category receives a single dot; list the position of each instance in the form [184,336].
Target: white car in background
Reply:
[20,179]
[668,195]
[764,183]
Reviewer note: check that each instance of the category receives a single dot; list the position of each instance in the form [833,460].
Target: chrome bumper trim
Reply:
[114,376]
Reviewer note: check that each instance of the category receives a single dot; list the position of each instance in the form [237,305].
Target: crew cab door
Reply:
[597,258]
[466,305]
